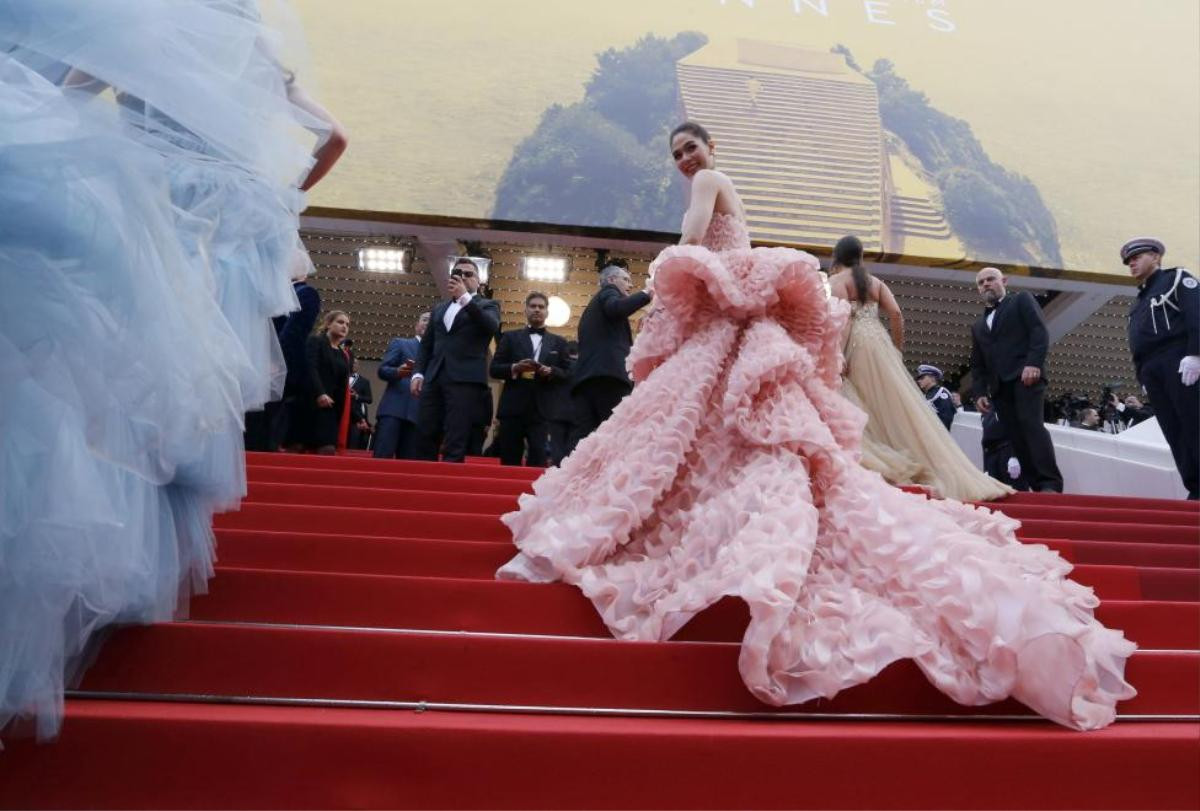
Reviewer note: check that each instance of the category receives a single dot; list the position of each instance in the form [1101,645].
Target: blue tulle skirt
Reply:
[137,280]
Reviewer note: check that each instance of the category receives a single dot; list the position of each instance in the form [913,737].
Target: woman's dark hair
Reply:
[849,253]
[694,129]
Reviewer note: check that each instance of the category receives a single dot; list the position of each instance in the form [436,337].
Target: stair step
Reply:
[481,470]
[539,671]
[121,754]
[432,557]
[445,604]
[476,517]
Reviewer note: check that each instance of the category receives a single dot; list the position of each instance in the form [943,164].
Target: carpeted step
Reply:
[544,672]
[479,560]
[340,463]
[279,474]
[1099,531]
[1101,515]
[1171,556]
[459,500]
[115,754]
[319,598]
[1108,502]
[430,520]
[424,509]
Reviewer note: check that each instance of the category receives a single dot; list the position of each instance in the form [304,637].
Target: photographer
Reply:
[1130,412]
[451,372]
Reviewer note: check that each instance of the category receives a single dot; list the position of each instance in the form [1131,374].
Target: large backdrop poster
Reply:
[1032,132]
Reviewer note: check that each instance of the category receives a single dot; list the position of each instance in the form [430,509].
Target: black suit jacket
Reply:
[604,335]
[1017,339]
[461,352]
[328,369]
[521,396]
[358,404]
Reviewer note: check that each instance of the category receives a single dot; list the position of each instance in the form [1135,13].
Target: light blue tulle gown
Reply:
[147,234]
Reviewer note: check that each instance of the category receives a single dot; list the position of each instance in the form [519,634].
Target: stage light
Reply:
[383,260]
[551,269]
[558,312]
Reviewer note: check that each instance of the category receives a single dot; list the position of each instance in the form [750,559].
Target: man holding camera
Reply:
[1164,338]
[451,372]
[533,365]
[1008,352]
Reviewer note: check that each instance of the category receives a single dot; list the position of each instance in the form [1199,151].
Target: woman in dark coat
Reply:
[326,379]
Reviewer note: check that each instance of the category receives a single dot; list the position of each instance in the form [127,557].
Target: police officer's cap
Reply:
[1140,245]
[927,369]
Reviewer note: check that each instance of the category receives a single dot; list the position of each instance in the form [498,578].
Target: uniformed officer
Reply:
[1164,337]
[929,378]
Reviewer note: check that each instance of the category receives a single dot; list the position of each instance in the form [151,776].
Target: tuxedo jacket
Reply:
[397,400]
[522,397]
[1016,339]
[604,335]
[460,353]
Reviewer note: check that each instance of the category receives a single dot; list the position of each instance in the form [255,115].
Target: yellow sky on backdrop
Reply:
[1096,101]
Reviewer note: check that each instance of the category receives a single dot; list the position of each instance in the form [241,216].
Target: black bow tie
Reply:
[990,308]
[537,330]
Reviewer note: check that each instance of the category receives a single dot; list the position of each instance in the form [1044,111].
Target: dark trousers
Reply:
[560,436]
[523,437]
[448,413]
[995,464]
[266,429]
[1021,409]
[1178,410]
[593,402]
[395,438]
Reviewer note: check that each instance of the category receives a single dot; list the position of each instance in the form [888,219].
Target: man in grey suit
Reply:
[451,372]
[396,416]
[599,380]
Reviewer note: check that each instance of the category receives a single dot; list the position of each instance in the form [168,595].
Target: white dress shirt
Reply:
[992,315]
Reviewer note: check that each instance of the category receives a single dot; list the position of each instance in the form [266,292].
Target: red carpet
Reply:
[355,652]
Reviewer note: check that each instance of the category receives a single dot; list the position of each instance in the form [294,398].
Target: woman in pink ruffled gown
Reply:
[732,470]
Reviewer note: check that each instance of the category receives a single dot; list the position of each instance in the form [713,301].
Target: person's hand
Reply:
[983,404]
[353,394]
[523,366]
[456,287]
[1014,468]
[1031,375]
[324,401]
[414,387]
[362,425]
[1189,369]
[406,367]
[544,371]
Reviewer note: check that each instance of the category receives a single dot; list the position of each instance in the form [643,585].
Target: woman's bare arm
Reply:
[706,185]
[887,303]
[334,144]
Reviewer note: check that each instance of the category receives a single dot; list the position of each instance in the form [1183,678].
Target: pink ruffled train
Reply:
[733,469]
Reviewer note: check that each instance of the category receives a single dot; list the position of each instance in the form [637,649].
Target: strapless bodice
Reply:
[726,232]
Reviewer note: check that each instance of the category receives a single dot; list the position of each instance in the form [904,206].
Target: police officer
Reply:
[1164,337]
[929,378]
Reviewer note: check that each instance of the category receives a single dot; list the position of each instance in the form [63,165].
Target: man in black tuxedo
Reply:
[532,363]
[599,380]
[562,411]
[360,398]
[1008,353]
[451,372]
